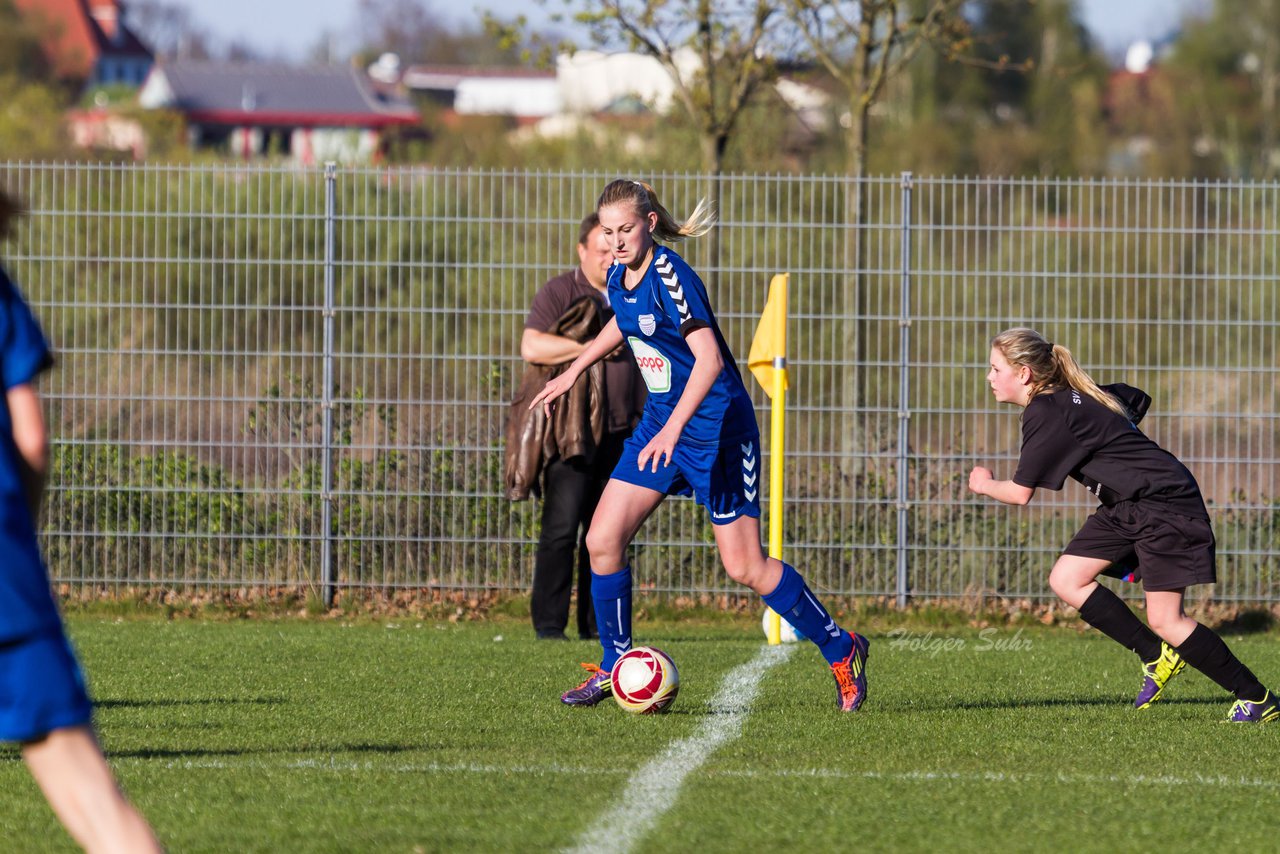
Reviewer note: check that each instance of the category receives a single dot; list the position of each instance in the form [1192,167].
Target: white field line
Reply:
[654,786]
[550,769]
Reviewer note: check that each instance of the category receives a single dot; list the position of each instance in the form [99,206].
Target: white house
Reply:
[591,81]
[520,92]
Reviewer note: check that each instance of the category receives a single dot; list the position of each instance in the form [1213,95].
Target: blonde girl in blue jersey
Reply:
[697,436]
[43,704]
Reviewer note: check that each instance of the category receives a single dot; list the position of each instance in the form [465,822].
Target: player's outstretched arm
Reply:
[544,348]
[604,344]
[983,482]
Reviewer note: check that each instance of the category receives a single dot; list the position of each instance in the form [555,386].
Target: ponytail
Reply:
[645,200]
[1052,367]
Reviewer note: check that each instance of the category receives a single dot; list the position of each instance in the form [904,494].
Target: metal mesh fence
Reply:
[286,378]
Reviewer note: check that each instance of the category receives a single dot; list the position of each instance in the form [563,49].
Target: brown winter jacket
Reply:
[578,420]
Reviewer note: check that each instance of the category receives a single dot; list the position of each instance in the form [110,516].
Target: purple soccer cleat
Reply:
[1156,674]
[851,675]
[1261,712]
[593,690]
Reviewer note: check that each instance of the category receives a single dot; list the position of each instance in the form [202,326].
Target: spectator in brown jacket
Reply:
[572,487]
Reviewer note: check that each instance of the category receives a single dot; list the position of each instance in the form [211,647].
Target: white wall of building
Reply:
[342,145]
[590,80]
[156,91]
[507,96]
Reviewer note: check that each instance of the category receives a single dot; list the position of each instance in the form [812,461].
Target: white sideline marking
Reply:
[1015,778]
[655,784]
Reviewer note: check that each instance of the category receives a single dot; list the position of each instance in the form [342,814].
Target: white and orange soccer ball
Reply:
[645,680]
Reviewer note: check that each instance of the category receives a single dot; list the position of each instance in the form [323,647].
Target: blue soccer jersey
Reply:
[668,303]
[26,602]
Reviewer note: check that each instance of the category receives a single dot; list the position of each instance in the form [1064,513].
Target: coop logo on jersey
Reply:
[647,324]
[654,366]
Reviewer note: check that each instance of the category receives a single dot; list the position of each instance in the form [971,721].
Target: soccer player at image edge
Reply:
[697,436]
[1152,524]
[44,706]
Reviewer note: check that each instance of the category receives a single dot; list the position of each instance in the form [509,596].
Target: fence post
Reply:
[904,391]
[328,566]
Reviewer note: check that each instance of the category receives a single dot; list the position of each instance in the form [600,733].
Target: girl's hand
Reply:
[660,447]
[978,478]
[556,387]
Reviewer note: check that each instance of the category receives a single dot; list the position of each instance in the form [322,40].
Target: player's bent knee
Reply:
[738,572]
[749,573]
[1064,584]
[604,548]
[1162,623]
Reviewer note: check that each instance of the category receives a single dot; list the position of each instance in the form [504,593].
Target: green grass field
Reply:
[409,735]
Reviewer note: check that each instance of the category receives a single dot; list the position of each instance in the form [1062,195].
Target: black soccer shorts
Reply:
[1167,550]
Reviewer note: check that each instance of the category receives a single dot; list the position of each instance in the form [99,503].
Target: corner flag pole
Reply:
[768,363]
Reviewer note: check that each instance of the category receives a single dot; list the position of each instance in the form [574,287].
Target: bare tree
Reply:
[862,46]
[717,52]
[167,28]
[728,39]
[407,28]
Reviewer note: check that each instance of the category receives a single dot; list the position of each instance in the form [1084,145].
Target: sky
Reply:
[290,28]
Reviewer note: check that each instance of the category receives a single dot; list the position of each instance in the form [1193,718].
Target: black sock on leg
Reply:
[1107,613]
[1209,654]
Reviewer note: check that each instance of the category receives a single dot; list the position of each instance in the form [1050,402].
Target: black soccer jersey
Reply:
[1069,434]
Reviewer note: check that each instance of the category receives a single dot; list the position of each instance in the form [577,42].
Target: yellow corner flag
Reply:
[768,362]
[770,342]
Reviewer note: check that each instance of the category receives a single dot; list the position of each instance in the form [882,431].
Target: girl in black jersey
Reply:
[1152,521]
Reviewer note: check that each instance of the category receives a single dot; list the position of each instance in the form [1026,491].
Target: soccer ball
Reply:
[788,632]
[644,680]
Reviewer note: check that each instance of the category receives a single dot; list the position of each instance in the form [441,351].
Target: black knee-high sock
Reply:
[1107,613]
[1208,653]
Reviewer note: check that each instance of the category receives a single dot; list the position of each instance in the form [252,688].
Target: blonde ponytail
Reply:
[645,200]
[1052,367]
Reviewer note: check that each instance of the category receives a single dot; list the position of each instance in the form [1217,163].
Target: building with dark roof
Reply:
[88,41]
[311,113]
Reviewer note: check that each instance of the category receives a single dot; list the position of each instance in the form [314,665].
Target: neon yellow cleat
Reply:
[1156,674]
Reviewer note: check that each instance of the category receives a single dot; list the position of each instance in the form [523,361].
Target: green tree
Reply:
[1226,67]
[1026,92]
[21,55]
[31,120]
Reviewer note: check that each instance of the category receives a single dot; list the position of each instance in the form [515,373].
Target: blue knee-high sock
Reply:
[611,596]
[793,599]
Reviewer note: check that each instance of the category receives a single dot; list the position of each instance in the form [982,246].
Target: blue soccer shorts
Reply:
[41,687]
[724,478]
